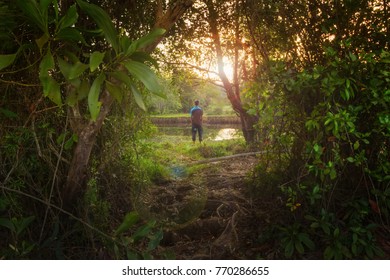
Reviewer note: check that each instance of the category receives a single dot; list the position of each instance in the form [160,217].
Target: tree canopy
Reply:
[309,81]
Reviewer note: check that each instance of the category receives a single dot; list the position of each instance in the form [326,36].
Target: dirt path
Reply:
[210,214]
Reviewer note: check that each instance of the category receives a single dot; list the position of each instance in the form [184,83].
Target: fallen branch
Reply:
[224,158]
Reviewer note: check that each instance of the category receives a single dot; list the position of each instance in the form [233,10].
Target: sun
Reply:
[229,71]
[227,68]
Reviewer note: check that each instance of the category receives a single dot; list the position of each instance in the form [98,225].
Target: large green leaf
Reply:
[78,92]
[142,57]
[50,86]
[6,60]
[93,97]
[34,12]
[103,21]
[65,67]
[145,40]
[95,59]
[70,71]
[70,34]
[41,41]
[47,63]
[138,98]
[69,19]
[144,74]
[51,89]
[77,69]
[44,4]
[122,77]
[129,220]
[115,91]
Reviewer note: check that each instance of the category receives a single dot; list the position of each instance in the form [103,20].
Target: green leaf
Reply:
[51,89]
[138,98]
[7,223]
[6,60]
[299,247]
[145,40]
[50,86]
[65,67]
[333,174]
[31,9]
[83,90]
[143,231]
[123,77]
[142,57]
[144,74]
[356,145]
[95,59]
[329,253]
[132,255]
[47,63]
[23,224]
[129,220]
[304,238]
[115,91]
[93,97]
[289,249]
[44,4]
[103,21]
[70,71]
[350,159]
[77,69]
[155,240]
[42,41]
[8,114]
[78,92]
[70,34]
[70,18]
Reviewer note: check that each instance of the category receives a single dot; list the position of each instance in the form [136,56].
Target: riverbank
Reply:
[185,119]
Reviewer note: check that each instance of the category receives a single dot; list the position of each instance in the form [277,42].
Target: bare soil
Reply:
[210,215]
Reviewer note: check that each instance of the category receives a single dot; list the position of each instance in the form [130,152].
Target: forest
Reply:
[86,172]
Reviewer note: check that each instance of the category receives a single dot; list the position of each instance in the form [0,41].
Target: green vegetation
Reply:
[81,81]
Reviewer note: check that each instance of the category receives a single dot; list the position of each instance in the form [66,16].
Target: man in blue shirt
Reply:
[196,114]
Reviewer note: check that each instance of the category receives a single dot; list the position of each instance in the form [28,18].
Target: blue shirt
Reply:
[194,108]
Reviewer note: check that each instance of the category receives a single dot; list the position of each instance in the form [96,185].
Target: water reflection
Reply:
[226,134]
[211,133]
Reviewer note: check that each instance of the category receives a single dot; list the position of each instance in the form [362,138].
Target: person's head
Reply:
[196,102]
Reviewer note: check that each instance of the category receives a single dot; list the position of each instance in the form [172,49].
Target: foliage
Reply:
[327,106]
[61,65]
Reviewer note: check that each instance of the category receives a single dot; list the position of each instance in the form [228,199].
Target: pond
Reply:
[210,133]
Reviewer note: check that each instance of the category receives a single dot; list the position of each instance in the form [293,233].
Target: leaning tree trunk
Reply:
[87,131]
[232,91]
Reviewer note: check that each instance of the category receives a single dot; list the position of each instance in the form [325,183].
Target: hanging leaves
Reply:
[6,60]
[103,21]
[95,60]
[50,86]
[144,74]
[93,97]
[69,19]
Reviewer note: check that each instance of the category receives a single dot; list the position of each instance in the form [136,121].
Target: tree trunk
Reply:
[76,181]
[87,131]
[232,91]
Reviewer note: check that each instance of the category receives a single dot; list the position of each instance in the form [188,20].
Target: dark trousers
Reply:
[197,128]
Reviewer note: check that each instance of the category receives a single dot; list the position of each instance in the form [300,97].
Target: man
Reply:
[196,114]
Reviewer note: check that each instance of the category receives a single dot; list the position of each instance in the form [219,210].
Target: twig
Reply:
[53,181]
[225,158]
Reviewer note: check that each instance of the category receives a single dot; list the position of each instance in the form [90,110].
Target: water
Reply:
[210,133]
